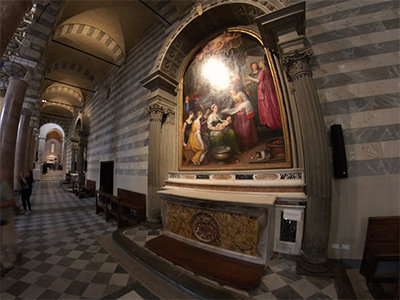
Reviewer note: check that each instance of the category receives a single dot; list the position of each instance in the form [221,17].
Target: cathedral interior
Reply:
[208,149]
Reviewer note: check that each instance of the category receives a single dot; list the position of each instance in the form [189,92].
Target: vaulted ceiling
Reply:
[71,44]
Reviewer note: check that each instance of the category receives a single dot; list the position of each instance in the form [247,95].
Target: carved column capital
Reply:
[296,63]
[170,116]
[156,112]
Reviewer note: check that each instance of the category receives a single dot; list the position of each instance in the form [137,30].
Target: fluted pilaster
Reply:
[156,112]
[317,169]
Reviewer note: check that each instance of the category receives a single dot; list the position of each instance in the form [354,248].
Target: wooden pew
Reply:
[109,204]
[88,189]
[132,209]
[381,244]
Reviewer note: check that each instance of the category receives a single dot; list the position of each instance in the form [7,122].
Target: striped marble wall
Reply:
[119,125]
[356,73]
[356,70]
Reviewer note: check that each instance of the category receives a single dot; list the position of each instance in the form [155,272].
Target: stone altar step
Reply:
[220,268]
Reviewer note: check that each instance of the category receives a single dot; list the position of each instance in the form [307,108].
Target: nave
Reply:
[69,253]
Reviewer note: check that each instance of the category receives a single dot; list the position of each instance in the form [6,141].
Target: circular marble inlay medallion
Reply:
[205,227]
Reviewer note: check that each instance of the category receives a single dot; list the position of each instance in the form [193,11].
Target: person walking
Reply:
[7,232]
[26,190]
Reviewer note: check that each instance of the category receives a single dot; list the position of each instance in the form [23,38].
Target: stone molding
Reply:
[177,47]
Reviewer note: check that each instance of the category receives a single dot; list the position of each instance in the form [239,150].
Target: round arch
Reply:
[51,144]
[204,21]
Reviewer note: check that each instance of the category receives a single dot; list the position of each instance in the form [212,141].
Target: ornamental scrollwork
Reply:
[291,175]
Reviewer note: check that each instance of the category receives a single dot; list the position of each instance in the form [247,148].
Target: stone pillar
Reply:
[11,14]
[156,112]
[74,153]
[20,147]
[29,149]
[317,169]
[82,144]
[9,120]
[63,154]
[169,142]
[283,31]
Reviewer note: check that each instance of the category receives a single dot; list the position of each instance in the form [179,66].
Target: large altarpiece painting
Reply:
[232,113]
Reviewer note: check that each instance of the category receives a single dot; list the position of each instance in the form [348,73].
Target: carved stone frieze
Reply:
[224,230]
[222,177]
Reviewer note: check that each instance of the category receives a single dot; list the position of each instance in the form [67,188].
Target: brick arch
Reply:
[73,67]
[94,33]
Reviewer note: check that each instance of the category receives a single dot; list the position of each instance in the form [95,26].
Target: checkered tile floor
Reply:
[61,257]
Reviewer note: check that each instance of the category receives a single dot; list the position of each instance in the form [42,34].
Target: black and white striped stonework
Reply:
[356,72]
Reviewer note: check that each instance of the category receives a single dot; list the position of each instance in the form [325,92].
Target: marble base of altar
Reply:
[238,225]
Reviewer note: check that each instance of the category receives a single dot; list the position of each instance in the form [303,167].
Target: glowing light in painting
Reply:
[216,73]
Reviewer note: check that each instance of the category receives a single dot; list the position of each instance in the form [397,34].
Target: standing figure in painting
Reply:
[187,128]
[195,142]
[244,125]
[268,106]
[187,105]
[205,136]
[251,89]
[217,135]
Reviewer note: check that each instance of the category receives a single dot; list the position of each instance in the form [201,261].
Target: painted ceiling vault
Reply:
[69,45]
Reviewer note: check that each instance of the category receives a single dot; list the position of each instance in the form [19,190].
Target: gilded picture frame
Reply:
[231,112]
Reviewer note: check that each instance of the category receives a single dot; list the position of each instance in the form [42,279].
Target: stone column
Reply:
[82,144]
[317,169]
[20,147]
[11,14]
[63,154]
[29,149]
[74,152]
[9,120]
[156,112]
[168,154]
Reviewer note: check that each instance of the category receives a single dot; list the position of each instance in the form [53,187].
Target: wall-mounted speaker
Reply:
[339,152]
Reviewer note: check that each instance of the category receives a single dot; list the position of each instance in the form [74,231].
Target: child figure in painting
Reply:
[224,125]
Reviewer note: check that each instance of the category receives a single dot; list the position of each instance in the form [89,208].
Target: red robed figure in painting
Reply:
[268,106]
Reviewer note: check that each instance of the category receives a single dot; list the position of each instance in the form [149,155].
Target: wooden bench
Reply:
[381,244]
[88,189]
[109,204]
[128,208]
[132,208]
